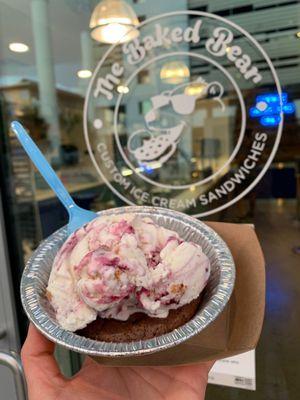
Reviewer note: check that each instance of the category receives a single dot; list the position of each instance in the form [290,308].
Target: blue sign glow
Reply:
[268,108]
[270,120]
[272,98]
[146,168]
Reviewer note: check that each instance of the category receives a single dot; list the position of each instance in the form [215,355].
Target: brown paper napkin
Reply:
[238,327]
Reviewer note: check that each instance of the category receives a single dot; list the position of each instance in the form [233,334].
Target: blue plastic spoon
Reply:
[77,215]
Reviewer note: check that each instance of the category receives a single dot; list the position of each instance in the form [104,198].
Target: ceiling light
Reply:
[127,172]
[84,73]
[122,89]
[174,72]
[18,47]
[280,165]
[113,21]
[195,89]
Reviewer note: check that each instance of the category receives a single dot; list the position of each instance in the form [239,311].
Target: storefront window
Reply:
[47,57]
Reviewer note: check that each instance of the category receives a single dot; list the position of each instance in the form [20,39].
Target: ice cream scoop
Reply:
[118,265]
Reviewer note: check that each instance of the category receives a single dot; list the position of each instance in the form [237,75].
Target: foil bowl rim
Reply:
[49,328]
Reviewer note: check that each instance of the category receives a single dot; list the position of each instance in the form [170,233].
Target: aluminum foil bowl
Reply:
[216,294]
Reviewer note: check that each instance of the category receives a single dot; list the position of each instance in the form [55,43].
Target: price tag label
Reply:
[237,371]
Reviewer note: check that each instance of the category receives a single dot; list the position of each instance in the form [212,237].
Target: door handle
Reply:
[13,362]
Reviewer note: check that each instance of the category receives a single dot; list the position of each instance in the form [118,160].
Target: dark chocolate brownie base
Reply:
[139,326]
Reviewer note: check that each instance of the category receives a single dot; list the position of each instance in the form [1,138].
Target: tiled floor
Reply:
[278,352]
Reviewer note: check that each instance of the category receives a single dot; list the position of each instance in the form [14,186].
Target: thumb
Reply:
[38,358]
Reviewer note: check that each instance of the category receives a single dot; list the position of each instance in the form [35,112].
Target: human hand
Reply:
[97,382]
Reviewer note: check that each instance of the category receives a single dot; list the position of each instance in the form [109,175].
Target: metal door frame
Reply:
[9,332]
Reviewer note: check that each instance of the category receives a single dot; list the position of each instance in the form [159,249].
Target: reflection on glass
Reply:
[113,21]
[47,57]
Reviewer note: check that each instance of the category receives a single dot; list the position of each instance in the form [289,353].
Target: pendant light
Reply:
[113,21]
[174,72]
[195,89]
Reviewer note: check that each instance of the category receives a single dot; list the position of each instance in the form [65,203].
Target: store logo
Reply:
[189,138]
[162,143]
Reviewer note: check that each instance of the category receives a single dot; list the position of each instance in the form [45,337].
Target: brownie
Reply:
[139,326]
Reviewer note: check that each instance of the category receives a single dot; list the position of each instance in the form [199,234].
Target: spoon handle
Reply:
[42,165]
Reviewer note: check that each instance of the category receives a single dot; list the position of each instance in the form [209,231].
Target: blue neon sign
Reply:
[268,108]
[146,168]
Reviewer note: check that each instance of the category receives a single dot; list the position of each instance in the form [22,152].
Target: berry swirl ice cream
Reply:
[116,266]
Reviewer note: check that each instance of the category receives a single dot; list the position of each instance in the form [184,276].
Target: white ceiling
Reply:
[67,18]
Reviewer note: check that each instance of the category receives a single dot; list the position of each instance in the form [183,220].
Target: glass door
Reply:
[47,58]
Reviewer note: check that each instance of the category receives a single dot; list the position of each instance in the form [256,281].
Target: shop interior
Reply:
[47,58]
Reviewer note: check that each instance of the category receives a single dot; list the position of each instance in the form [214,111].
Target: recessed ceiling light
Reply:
[18,47]
[127,172]
[84,73]
[122,89]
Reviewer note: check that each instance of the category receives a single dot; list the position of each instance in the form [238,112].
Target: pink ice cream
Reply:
[118,265]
